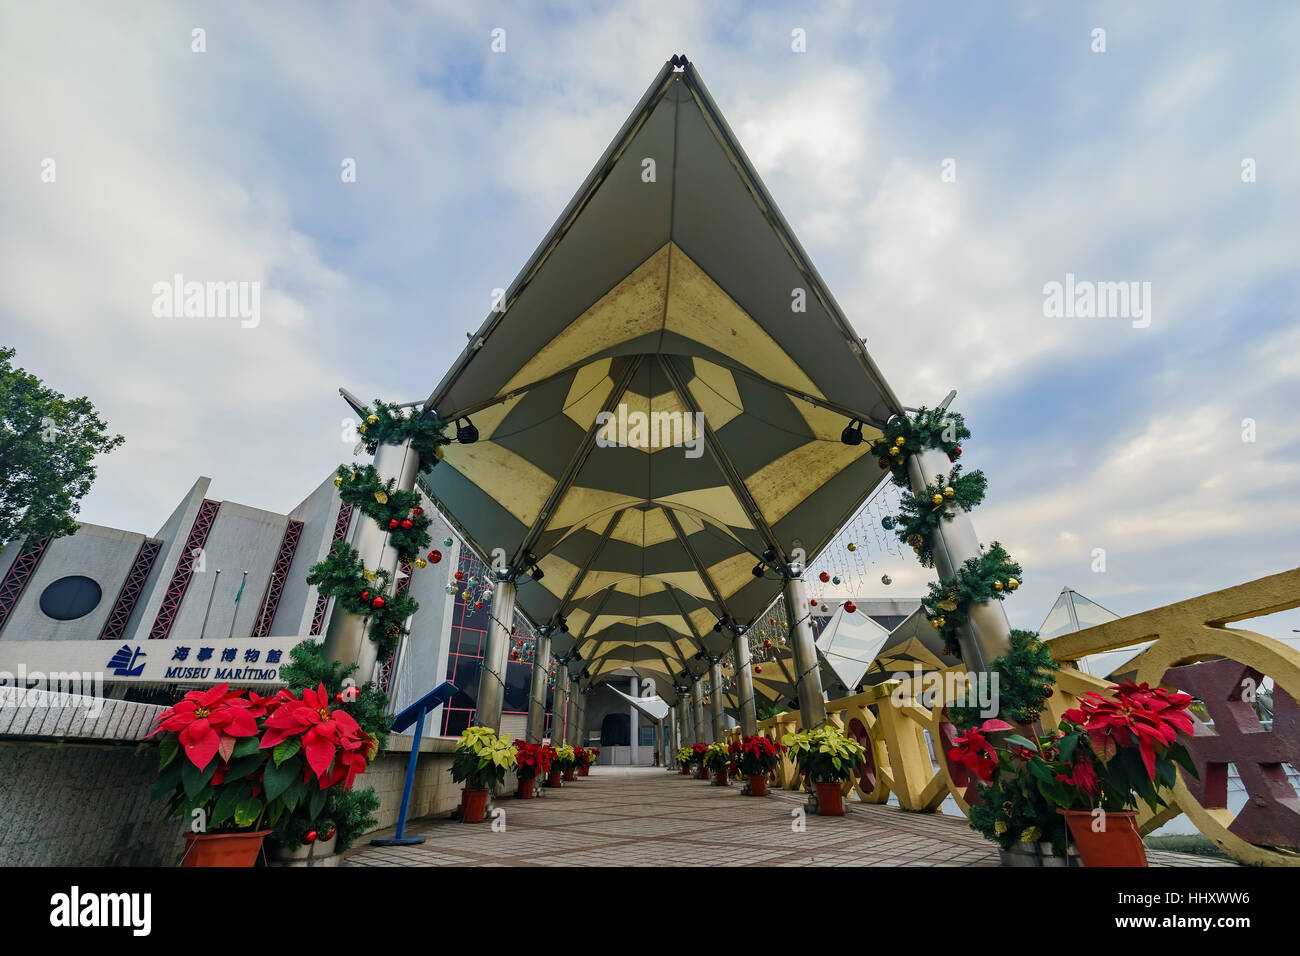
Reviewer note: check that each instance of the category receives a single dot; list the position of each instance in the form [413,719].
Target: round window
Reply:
[70,598]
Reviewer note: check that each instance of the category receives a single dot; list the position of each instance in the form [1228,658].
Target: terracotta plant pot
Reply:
[1119,844]
[553,778]
[525,791]
[758,785]
[473,805]
[223,849]
[583,771]
[686,771]
[830,799]
[702,773]
[720,778]
[568,773]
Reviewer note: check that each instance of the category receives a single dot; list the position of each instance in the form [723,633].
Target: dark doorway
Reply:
[615,731]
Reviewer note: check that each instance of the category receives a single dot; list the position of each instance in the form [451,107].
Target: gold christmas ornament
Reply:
[381,497]
[948,604]
[948,492]
[420,562]
[899,441]
[368,574]
[915,540]
[362,429]
[997,585]
[338,481]
[852,546]
[1012,584]
[371,419]
[936,499]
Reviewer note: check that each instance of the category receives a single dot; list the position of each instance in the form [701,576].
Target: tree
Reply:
[48,443]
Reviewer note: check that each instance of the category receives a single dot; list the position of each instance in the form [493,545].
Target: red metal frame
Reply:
[340,532]
[11,588]
[180,581]
[279,574]
[115,626]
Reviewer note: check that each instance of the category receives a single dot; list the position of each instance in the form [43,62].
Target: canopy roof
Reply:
[670,284]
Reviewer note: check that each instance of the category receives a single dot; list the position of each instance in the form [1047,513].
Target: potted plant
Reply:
[589,756]
[480,761]
[701,771]
[759,757]
[826,756]
[579,761]
[554,772]
[1114,751]
[531,761]
[567,758]
[297,842]
[685,757]
[717,759]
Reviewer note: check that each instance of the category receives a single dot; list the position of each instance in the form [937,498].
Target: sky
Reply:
[940,162]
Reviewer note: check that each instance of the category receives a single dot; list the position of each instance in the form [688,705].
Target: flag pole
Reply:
[235,612]
[208,609]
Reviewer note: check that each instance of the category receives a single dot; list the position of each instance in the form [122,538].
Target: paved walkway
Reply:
[641,816]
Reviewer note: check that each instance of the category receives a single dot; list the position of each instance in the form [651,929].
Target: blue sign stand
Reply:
[414,714]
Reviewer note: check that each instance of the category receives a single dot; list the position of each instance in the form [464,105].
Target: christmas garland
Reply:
[1025,677]
[342,575]
[928,428]
[989,577]
[921,513]
[388,425]
[1026,672]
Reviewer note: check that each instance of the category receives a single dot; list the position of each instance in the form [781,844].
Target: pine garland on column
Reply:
[343,575]
[1026,672]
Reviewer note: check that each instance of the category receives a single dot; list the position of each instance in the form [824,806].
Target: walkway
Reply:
[641,816]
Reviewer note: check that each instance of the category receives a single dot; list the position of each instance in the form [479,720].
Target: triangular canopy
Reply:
[670,286]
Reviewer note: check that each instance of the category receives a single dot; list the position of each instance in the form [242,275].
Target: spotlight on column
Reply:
[537,573]
[467,434]
[852,434]
[759,570]
[769,556]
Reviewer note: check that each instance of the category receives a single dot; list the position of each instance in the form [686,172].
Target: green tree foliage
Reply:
[48,443]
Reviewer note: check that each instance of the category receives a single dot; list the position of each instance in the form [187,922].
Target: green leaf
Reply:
[247,811]
[1020,741]
[245,746]
[294,795]
[193,779]
[168,748]
[279,778]
[167,781]
[286,749]
[229,799]
[317,804]
[241,767]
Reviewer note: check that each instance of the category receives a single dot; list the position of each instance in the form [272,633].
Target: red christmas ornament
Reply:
[310,837]
[824,577]
[417,511]
[774,622]
[459,575]
[328,834]
[812,603]
[478,605]
[758,668]
[767,643]
[850,606]
[378,602]
[956,453]
[365,595]
[392,522]
[406,522]
[435,556]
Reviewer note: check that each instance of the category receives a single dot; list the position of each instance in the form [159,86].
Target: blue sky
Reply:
[1115,166]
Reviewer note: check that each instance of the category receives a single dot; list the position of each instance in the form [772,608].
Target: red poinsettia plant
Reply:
[532,760]
[758,756]
[699,751]
[589,756]
[248,760]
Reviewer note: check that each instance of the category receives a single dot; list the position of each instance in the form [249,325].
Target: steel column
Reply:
[346,639]
[492,675]
[697,714]
[717,706]
[808,678]
[745,684]
[955,542]
[537,691]
[561,703]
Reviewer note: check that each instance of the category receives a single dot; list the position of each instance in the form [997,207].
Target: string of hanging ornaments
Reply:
[860,553]
[343,575]
[1027,671]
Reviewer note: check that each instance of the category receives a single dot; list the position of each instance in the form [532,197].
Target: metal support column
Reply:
[716,702]
[745,683]
[560,706]
[536,729]
[346,639]
[492,676]
[579,707]
[955,542]
[697,713]
[808,678]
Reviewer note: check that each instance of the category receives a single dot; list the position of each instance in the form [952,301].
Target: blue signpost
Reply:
[414,715]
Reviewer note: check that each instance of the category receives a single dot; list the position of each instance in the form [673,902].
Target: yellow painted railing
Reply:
[908,742]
